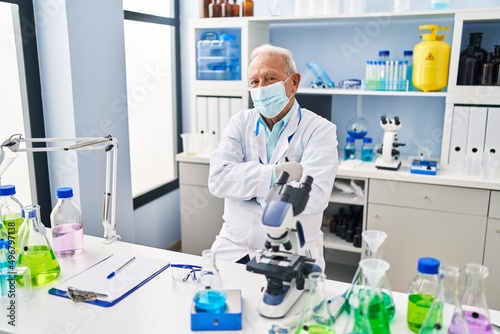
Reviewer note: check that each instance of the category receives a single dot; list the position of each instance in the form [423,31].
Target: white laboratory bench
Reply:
[160,306]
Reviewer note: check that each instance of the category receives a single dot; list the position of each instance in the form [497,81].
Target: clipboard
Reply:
[132,277]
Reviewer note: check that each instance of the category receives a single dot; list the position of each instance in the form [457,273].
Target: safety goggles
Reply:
[185,272]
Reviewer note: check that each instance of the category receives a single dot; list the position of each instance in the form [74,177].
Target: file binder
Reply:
[458,140]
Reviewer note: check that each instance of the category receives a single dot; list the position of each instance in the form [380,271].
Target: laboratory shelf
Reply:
[331,241]
[344,198]
[340,91]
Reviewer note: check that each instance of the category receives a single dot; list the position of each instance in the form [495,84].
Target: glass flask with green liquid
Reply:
[316,317]
[11,215]
[373,240]
[371,316]
[35,251]
[210,295]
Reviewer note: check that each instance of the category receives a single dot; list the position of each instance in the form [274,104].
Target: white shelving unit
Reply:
[256,30]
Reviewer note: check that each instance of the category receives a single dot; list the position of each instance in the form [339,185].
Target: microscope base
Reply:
[281,309]
[393,165]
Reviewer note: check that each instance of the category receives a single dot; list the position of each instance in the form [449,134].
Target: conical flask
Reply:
[316,316]
[35,251]
[373,250]
[474,302]
[372,316]
[210,295]
[362,326]
[446,297]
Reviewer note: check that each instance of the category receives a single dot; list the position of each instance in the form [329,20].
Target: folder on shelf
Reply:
[213,116]
[202,114]
[459,130]
[477,129]
[224,112]
[112,290]
[492,140]
[236,105]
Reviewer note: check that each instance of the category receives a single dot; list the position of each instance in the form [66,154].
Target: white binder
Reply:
[224,112]
[492,140]
[459,130]
[236,105]
[212,138]
[201,114]
[477,129]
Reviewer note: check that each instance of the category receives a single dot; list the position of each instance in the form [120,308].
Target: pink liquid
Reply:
[68,240]
[477,324]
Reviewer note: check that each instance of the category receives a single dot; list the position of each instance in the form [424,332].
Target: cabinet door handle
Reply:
[426,197]
[498,230]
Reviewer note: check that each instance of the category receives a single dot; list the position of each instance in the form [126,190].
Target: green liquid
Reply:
[12,222]
[42,263]
[377,317]
[317,329]
[418,307]
[388,302]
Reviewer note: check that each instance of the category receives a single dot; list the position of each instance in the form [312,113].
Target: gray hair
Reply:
[286,54]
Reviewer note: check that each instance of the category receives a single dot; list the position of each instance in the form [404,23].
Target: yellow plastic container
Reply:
[431,59]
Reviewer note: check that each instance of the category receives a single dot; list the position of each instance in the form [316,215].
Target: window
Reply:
[151,52]
[21,103]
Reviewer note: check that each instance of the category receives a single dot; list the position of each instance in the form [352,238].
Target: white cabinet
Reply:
[492,252]
[448,223]
[201,212]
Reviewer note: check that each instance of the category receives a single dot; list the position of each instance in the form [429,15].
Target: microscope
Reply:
[284,261]
[390,155]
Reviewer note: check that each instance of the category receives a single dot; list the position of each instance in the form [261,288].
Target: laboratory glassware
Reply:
[235,9]
[474,302]
[353,327]
[468,68]
[367,149]
[451,278]
[357,127]
[439,4]
[371,315]
[316,316]
[408,56]
[11,215]
[422,291]
[204,8]
[226,9]
[487,71]
[349,149]
[373,250]
[67,225]
[35,251]
[210,295]
[214,9]
[247,7]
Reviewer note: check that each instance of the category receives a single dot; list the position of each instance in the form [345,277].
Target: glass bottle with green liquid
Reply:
[35,251]
[422,291]
[12,215]
[373,240]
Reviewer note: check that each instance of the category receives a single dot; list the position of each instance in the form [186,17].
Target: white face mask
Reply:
[270,100]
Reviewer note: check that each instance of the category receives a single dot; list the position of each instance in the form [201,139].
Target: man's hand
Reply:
[293,168]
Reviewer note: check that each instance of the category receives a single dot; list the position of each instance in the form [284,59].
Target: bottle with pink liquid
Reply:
[67,225]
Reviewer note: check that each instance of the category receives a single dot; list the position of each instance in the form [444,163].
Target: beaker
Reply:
[372,316]
[316,316]
[373,249]
[210,295]
[35,251]
[474,302]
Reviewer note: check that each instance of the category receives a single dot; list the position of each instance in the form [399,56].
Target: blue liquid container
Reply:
[218,57]
[212,301]
[408,56]
[367,149]
[349,149]
[440,4]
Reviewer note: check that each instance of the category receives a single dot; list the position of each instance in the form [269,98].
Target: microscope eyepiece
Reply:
[383,119]
[396,120]
[283,178]
[307,183]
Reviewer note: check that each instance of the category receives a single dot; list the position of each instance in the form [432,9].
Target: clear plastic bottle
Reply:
[422,291]
[349,149]
[67,225]
[12,215]
[210,295]
[35,251]
[367,149]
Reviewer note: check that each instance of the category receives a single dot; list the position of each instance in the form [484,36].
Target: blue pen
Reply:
[117,270]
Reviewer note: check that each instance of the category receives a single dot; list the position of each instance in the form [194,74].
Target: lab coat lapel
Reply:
[284,140]
[260,141]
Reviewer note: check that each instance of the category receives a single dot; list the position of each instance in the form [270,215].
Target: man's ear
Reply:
[296,81]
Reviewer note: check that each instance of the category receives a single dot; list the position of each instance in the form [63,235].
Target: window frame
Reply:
[32,96]
[173,22]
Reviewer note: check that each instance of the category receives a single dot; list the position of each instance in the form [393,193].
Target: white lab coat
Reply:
[237,176]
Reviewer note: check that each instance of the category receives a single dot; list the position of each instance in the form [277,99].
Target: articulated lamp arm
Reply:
[108,144]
